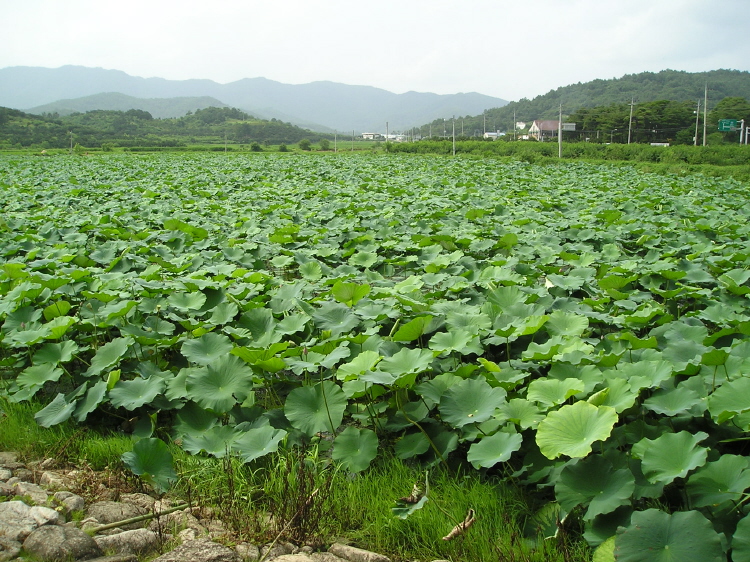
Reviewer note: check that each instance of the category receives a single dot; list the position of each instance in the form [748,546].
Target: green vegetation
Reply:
[581,330]
[137,129]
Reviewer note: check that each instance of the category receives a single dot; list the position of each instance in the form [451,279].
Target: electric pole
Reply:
[705,107]
[630,121]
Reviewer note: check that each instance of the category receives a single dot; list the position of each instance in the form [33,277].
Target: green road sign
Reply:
[727,125]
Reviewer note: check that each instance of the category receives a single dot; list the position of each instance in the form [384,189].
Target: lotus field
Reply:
[580,329]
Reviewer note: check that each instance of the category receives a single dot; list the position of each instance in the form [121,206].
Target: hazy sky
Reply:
[505,48]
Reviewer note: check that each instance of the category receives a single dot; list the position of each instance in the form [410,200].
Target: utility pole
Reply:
[630,122]
[484,116]
[335,135]
[559,135]
[705,108]
[71,141]
[352,140]
[697,116]
[515,129]
[454,135]
[386,136]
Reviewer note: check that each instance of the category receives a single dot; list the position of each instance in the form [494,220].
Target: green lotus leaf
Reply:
[192,419]
[315,409]
[94,396]
[223,313]
[207,348]
[741,541]
[572,429]
[670,456]
[454,340]
[55,352]
[470,401]
[645,374]
[494,449]
[355,448]
[521,412]
[561,323]
[292,324]
[364,259]
[551,392]
[433,390]
[605,552]
[406,509]
[673,401]
[407,361]
[594,483]
[135,393]
[414,329]
[411,445]
[349,293]
[57,411]
[187,302]
[719,481]
[57,308]
[34,377]
[151,460]
[217,387]
[335,317]
[108,355]
[257,442]
[363,362]
[655,536]
[216,441]
[59,326]
[311,271]
[730,399]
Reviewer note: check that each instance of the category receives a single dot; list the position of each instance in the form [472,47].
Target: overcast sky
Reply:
[505,48]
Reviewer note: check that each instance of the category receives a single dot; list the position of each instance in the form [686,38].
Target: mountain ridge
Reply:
[333,105]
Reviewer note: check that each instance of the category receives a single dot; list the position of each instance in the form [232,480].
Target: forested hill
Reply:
[672,85]
[138,128]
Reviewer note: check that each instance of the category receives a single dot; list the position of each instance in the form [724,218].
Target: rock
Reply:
[277,550]
[9,549]
[37,494]
[139,541]
[106,512]
[299,557]
[248,552]
[9,459]
[45,516]
[115,558]
[6,490]
[5,474]
[356,554]
[53,542]
[325,557]
[70,502]
[177,520]
[56,480]
[187,535]
[23,474]
[15,522]
[144,501]
[202,550]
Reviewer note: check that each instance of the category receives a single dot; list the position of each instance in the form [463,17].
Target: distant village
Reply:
[540,130]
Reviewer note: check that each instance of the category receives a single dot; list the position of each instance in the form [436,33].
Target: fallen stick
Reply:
[139,518]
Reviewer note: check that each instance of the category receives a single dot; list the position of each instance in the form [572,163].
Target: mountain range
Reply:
[322,106]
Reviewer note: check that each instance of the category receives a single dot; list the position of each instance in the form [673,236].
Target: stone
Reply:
[115,558]
[325,557]
[187,535]
[26,489]
[15,522]
[6,490]
[5,474]
[56,480]
[69,501]
[299,557]
[9,459]
[45,516]
[356,554]
[202,550]
[275,551]
[106,512]
[138,541]
[177,520]
[248,552]
[24,474]
[144,501]
[53,542]
[9,549]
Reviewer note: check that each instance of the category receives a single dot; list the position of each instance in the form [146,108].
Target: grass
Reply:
[300,495]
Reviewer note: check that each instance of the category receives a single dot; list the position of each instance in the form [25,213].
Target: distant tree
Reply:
[304,144]
[325,144]
[283,148]
[255,147]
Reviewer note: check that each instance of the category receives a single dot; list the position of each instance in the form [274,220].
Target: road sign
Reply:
[568,126]
[727,125]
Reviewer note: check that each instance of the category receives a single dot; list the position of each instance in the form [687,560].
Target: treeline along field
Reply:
[581,329]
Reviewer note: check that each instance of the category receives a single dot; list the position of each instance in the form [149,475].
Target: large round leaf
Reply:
[741,541]
[355,448]
[107,355]
[670,456]
[55,412]
[411,445]
[94,397]
[470,401]
[313,409]
[135,393]
[595,483]
[655,536]
[151,460]
[216,441]
[258,441]
[572,429]
[494,449]
[207,348]
[215,387]
[720,481]
[551,392]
